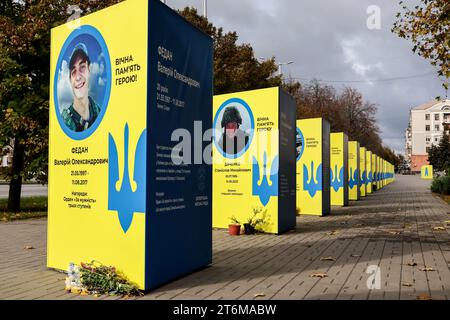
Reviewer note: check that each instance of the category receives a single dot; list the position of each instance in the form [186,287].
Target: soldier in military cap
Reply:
[233,140]
[83,111]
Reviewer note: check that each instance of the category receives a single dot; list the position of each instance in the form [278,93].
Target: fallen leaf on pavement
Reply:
[259,295]
[29,247]
[332,233]
[412,264]
[75,290]
[327,259]
[84,293]
[395,232]
[439,228]
[318,275]
[424,297]
[426,269]
[407,284]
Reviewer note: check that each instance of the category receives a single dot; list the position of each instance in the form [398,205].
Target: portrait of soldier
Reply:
[83,111]
[233,139]
[298,144]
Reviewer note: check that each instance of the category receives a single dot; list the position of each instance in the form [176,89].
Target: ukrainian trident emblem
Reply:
[337,182]
[353,178]
[265,190]
[124,200]
[311,184]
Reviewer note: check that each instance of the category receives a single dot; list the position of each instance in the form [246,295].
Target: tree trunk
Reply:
[15,185]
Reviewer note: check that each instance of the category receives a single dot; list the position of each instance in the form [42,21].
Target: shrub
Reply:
[441,185]
[445,185]
[436,185]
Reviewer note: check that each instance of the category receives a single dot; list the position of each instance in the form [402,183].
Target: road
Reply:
[28,190]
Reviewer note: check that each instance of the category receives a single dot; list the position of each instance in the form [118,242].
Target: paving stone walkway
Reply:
[390,234]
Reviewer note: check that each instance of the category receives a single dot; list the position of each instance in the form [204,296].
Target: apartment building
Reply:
[5,157]
[426,126]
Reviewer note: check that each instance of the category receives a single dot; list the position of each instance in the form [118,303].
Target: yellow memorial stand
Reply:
[339,169]
[253,159]
[123,79]
[313,167]
[426,172]
[374,172]
[353,170]
[369,171]
[362,171]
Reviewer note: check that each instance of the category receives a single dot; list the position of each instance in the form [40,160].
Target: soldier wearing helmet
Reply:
[233,139]
[83,111]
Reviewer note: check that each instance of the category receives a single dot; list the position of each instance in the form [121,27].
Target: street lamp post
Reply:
[280,67]
[205,8]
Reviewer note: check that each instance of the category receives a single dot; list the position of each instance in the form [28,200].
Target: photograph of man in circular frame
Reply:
[234,125]
[82,82]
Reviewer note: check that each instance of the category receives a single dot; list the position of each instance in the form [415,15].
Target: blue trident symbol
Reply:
[369,178]
[363,178]
[310,184]
[126,201]
[354,178]
[264,190]
[337,182]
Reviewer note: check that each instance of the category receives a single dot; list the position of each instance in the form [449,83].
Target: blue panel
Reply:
[178,241]
[287,181]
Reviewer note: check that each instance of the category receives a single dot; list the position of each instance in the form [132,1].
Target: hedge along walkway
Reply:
[387,230]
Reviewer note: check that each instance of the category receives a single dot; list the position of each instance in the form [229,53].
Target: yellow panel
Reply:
[426,172]
[310,168]
[353,170]
[94,233]
[362,171]
[337,150]
[233,173]
[369,172]
[380,170]
[374,171]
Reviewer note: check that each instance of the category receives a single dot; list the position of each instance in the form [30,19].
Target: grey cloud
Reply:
[330,40]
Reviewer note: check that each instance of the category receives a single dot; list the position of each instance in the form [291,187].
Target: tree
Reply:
[24,83]
[235,66]
[427,25]
[439,155]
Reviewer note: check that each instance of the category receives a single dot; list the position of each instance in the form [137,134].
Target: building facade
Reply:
[426,127]
[5,157]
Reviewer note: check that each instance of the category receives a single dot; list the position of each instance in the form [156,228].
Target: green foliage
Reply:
[441,185]
[439,155]
[256,221]
[427,25]
[32,207]
[346,111]
[100,279]
[235,66]
[234,220]
[24,83]
[29,204]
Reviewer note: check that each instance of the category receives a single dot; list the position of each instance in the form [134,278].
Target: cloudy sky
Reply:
[330,40]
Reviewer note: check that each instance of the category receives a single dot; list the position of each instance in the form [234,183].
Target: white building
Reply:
[426,126]
[6,160]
